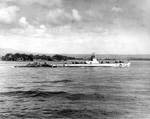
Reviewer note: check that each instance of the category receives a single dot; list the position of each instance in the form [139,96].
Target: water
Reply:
[75,93]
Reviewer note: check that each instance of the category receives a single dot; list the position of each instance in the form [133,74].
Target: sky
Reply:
[76,26]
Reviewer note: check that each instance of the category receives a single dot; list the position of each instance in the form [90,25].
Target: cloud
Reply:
[29,2]
[28,29]
[65,23]
[8,14]
[61,17]
[117,9]
[57,16]
[143,11]
[119,42]
[23,22]
[76,15]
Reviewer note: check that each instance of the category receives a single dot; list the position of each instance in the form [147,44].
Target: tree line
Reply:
[31,57]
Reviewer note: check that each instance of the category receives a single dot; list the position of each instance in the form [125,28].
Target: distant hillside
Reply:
[7,50]
[3,52]
[31,57]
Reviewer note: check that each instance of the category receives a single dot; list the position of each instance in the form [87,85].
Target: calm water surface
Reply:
[75,93]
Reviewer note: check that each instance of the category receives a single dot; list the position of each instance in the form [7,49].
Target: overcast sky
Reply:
[76,26]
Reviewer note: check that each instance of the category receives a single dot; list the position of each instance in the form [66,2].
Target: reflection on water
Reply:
[73,93]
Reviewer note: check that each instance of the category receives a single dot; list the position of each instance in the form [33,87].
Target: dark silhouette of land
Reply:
[31,57]
[58,57]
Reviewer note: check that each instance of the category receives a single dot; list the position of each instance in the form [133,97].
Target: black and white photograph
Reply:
[74,59]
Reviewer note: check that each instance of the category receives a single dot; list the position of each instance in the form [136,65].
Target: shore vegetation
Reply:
[31,57]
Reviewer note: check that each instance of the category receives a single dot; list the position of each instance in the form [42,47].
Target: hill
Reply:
[7,50]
